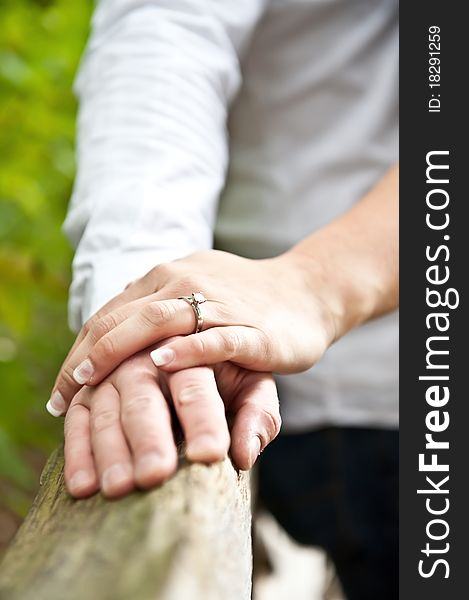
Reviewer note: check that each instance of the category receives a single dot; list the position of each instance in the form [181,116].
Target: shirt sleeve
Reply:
[154,87]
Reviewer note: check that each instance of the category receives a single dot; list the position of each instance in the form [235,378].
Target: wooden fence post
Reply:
[189,539]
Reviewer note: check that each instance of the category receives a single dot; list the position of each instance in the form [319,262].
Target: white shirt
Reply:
[243,125]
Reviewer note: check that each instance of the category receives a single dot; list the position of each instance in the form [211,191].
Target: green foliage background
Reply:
[40,46]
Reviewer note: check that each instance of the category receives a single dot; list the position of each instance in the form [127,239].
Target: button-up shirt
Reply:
[243,125]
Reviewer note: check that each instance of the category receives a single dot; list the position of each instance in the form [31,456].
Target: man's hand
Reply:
[118,435]
[261,315]
[275,315]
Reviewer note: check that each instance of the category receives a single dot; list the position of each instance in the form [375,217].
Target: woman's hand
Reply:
[265,315]
[119,435]
[277,314]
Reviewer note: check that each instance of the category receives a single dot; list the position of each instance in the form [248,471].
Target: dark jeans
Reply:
[338,488]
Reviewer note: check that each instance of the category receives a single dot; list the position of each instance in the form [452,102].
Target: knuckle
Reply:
[85,328]
[137,406]
[157,276]
[158,313]
[184,286]
[105,348]
[89,324]
[191,393]
[104,420]
[222,313]
[74,441]
[102,326]
[231,342]
[160,269]
[264,349]
[130,284]
[198,345]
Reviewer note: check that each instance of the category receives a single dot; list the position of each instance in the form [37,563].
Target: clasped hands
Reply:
[268,316]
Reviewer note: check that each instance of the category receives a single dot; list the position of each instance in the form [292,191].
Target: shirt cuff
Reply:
[95,284]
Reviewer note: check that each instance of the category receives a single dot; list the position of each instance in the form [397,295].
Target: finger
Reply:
[135,294]
[201,413]
[156,321]
[80,474]
[66,386]
[56,405]
[245,346]
[146,421]
[111,452]
[136,290]
[256,420]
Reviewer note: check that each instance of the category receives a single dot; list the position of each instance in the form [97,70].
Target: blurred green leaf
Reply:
[40,46]
[11,464]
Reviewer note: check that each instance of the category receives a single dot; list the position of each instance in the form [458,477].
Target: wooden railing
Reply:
[189,539]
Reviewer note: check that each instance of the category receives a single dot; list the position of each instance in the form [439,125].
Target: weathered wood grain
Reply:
[188,539]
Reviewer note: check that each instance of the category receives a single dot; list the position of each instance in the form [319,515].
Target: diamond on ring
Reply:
[199,297]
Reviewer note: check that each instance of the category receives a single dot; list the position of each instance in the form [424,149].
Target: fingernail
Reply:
[114,476]
[147,465]
[205,449]
[56,405]
[254,450]
[80,480]
[83,372]
[153,468]
[162,356]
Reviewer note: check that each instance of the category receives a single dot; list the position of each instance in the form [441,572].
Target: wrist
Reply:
[307,279]
[341,281]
